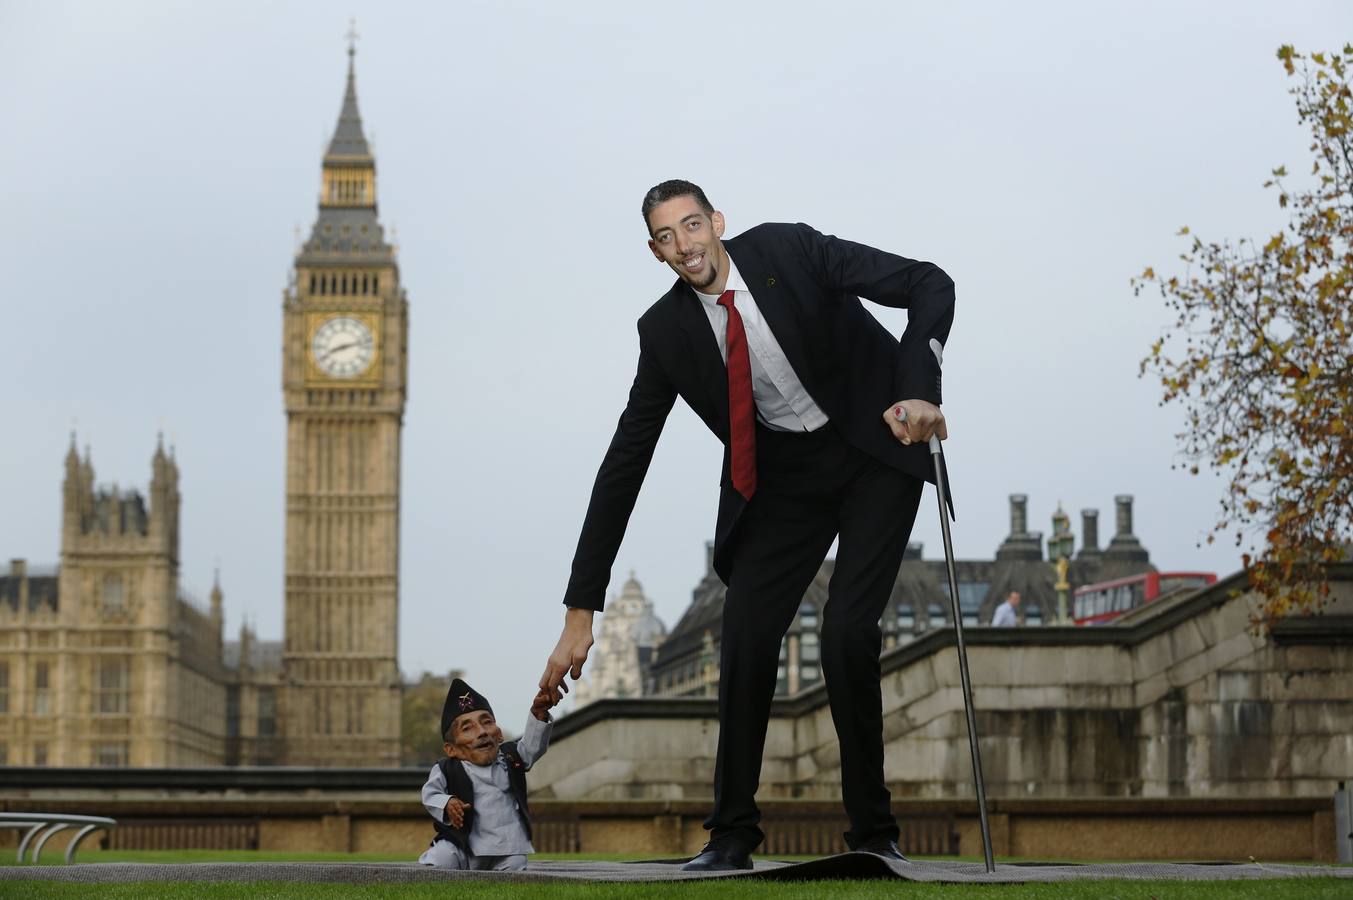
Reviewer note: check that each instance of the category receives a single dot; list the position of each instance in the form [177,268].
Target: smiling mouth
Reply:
[486,744]
[695,262]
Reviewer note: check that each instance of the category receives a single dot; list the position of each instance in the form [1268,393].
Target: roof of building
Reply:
[42,591]
[264,656]
[349,140]
[347,234]
[646,627]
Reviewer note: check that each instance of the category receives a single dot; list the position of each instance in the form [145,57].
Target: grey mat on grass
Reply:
[845,865]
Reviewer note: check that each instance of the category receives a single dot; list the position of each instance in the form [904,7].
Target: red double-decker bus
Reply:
[1099,604]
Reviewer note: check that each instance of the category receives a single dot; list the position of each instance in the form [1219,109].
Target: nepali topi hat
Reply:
[461,699]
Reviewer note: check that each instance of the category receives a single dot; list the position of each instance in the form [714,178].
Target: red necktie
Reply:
[741,408]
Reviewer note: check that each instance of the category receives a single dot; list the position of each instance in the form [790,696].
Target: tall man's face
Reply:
[686,237]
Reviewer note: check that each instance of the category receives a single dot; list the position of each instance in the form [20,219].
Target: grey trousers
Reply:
[447,855]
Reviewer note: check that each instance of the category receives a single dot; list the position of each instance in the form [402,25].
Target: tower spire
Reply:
[347,230]
[349,141]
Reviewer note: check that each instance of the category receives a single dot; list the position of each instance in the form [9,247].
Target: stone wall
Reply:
[1183,700]
[298,815]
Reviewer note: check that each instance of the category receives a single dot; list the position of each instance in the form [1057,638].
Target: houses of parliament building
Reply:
[104,659]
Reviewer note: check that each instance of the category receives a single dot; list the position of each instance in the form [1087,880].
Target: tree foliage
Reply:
[1258,357]
[420,718]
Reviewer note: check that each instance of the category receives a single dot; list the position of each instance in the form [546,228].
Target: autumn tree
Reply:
[1258,357]
[420,718]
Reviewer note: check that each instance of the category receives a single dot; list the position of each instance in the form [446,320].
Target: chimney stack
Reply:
[1020,543]
[1125,555]
[1019,515]
[1123,502]
[1089,532]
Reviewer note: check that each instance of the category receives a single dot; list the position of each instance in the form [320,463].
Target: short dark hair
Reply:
[676,187]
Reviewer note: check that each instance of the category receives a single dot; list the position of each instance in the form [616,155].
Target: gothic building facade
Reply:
[105,660]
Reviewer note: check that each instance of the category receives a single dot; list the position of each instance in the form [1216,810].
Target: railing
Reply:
[44,825]
[921,835]
[813,834]
[184,834]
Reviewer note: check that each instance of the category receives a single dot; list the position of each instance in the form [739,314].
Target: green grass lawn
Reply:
[1305,889]
[51,857]
[1314,888]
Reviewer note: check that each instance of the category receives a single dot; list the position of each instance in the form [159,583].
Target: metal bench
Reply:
[43,825]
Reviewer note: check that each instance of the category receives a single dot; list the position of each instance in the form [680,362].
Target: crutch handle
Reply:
[938,349]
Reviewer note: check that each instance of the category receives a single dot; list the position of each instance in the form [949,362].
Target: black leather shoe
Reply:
[724,857]
[886,849]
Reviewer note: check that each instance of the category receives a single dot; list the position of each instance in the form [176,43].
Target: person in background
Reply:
[1007,614]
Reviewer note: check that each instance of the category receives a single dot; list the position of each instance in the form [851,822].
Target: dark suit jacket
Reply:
[807,286]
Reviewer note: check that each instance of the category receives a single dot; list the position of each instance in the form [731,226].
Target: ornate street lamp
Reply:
[1061,544]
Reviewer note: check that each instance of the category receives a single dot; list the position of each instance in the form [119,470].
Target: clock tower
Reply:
[344,380]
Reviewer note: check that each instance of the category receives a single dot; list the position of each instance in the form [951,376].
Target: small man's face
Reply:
[686,237]
[475,737]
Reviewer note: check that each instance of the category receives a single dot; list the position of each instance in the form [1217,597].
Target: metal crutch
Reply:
[935,456]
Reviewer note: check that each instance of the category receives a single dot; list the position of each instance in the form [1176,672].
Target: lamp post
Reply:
[1061,544]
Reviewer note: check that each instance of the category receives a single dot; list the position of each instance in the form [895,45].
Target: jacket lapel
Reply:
[704,350]
[776,305]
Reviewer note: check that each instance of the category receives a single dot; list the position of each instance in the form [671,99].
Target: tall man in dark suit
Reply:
[764,337]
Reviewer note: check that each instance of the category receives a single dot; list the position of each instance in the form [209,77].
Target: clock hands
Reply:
[332,350]
[343,346]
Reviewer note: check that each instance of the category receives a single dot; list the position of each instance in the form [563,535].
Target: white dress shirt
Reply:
[1005,616]
[497,829]
[782,402]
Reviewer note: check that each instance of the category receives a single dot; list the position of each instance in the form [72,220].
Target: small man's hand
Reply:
[569,654]
[540,706]
[914,421]
[455,812]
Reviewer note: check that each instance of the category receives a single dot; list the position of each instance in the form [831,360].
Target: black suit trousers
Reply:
[811,488]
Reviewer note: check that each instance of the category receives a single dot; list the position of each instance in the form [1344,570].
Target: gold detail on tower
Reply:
[348,186]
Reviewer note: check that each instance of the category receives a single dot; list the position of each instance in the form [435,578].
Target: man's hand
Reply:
[540,705]
[569,654]
[914,421]
[455,812]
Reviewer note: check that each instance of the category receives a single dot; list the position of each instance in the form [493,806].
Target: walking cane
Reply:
[935,456]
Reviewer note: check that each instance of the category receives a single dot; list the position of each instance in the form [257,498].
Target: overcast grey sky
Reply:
[157,158]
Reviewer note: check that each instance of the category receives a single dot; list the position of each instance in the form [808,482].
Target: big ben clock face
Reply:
[343,347]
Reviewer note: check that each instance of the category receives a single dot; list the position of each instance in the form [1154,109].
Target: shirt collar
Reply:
[499,762]
[735,283]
